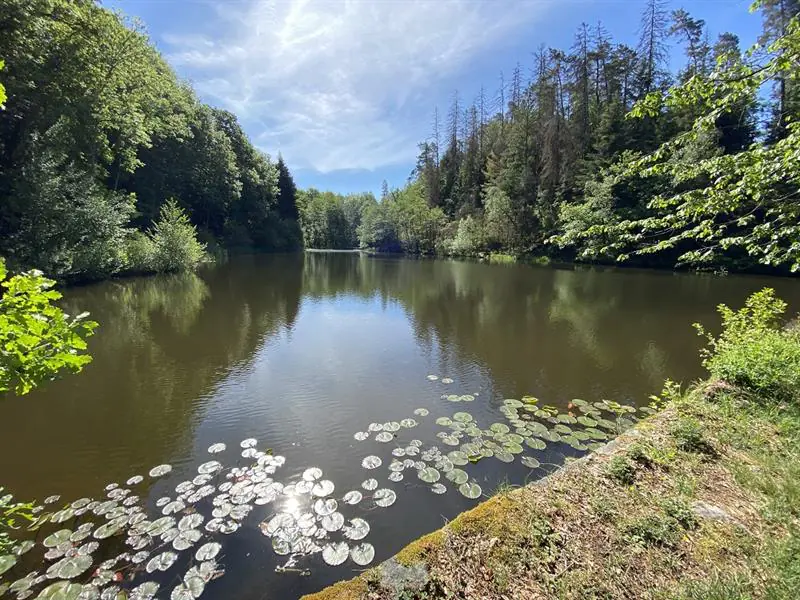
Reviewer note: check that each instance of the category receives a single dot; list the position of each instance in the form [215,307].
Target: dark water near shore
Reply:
[302,351]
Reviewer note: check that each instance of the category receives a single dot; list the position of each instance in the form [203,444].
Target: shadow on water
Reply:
[302,351]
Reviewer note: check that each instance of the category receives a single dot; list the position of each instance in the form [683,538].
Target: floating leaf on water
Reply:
[395,476]
[371,462]
[6,562]
[312,474]
[512,448]
[356,530]
[52,499]
[145,591]
[62,590]
[335,553]
[332,522]
[429,475]
[216,448]
[450,440]
[512,403]
[192,521]
[186,539]
[504,456]
[107,530]
[452,398]
[207,551]
[566,419]
[391,426]
[536,443]
[408,423]
[421,412]
[24,546]
[373,427]
[173,507]
[384,436]
[467,397]
[457,476]
[59,537]
[433,377]
[499,428]
[370,484]
[69,567]
[384,497]
[325,507]
[438,488]
[362,554]
[360,436]
[160,470]
[471,490]
[248,443]
[159,526]
[530,462]
[458,457]
[323,488]
[209,468]
[181,592]
[399,452]
[135,480]
[462,417]
[444,421]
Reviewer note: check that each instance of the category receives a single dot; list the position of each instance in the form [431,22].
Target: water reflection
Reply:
[303,351]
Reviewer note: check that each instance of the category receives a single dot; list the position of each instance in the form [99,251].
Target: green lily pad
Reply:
[587,421]
[511,403]
[62,590]
[6,562]
[59,537]
[471,490]
[536,443]
[530,462]
[457,476]
[499,428]
[429,475]
[462,417]
[444,421]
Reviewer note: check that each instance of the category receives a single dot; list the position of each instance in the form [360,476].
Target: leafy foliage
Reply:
[174,239]
[12,516]
[98,132]
[37,339]
[755,350]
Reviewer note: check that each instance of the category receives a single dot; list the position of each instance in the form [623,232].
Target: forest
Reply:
[598,152]
[109,163]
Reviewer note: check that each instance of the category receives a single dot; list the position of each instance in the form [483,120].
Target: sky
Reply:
[346,89]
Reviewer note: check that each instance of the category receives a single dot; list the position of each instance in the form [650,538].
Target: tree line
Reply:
[110,164]
[599,152]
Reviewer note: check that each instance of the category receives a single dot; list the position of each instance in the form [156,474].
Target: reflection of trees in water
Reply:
[537,330]
[163,344]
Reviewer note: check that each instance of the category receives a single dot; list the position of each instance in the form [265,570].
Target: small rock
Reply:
[705,510]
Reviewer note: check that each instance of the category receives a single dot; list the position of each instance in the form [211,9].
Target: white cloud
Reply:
[341,84]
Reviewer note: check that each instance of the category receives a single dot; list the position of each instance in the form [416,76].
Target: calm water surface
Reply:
[302,351]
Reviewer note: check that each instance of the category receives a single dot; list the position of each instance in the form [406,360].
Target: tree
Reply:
[37,339]
[175,240]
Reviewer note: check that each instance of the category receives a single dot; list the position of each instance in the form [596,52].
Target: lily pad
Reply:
[332,522]
[216,448]
[433,377]
[363,553]
[457,476]
[323,488]
[462,417]
[335,553]
[360,436]
[499,428]
[161,562]
[70,567]
[384,497]
[408,423]
[6,562]
[429,475]
[471,490]
[62,590]
[59,537]
[384,437]
[421,412]
[370,484]
[530,462]
[353,497]
[325,507]
[160,470]
[371,462]
[356,530]
[438,488]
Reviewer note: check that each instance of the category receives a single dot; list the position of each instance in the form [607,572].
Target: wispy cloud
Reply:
[341,84]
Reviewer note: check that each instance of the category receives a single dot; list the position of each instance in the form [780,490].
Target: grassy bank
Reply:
[701,500]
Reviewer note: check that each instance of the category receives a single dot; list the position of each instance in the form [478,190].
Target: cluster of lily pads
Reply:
[585,426]
[80,542]
[112,548]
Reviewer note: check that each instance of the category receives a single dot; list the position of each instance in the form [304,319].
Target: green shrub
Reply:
[140,253]
[680,511]
[689,436]
[754,350]
[621,469]
[38,340]
[175,240]
[470,237]
[654,530]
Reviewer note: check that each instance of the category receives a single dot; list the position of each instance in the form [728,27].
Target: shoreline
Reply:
[661,509]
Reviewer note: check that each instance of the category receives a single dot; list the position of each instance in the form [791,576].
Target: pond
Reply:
[303,352]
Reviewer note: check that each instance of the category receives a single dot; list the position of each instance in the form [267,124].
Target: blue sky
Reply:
[345,89]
